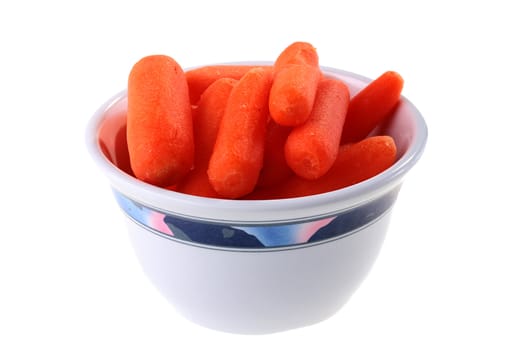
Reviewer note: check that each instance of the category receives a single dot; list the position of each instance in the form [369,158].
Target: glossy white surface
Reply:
[260,291]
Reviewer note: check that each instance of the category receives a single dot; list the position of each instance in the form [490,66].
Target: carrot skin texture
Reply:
[275,169]
[372,105]
[159,122]
[237,156]
[355,163]
[297,75]
[312,147]
[293,93]
[299,52]
[206,121]
[208,118]
[200,78]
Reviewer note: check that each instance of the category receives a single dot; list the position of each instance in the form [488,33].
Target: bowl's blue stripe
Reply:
[256,236]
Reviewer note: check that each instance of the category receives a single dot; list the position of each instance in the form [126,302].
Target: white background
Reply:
[451,272]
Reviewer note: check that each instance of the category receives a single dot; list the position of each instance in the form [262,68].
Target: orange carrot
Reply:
[311,148]
[370,106]
[237,156]
[355,163]
[159,121]
[297,53]
[293,93]
[275,169]
[297,75]
[206,121]
[200,78]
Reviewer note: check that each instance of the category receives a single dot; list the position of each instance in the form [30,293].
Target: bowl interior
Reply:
[112,135]
[402,126]
[106,139]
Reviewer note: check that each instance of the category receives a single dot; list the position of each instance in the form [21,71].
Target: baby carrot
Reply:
[207,118]
[275,169]
[297,75]
[200,78]
[355,163]
[237,156]
[197,183]
[293,93]
[159,121]
[206,121]
[298,52]
[311,148]
[370,106]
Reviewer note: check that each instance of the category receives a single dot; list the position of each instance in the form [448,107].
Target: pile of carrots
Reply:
[256,132]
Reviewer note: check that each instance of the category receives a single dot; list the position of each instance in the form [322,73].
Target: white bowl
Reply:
[256,266]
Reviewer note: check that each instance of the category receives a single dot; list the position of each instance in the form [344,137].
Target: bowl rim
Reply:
[255,211]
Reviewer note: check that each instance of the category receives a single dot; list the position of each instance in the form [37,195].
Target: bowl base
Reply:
[259,291]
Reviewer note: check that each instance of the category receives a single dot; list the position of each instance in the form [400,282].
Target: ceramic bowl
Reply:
[257,266]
